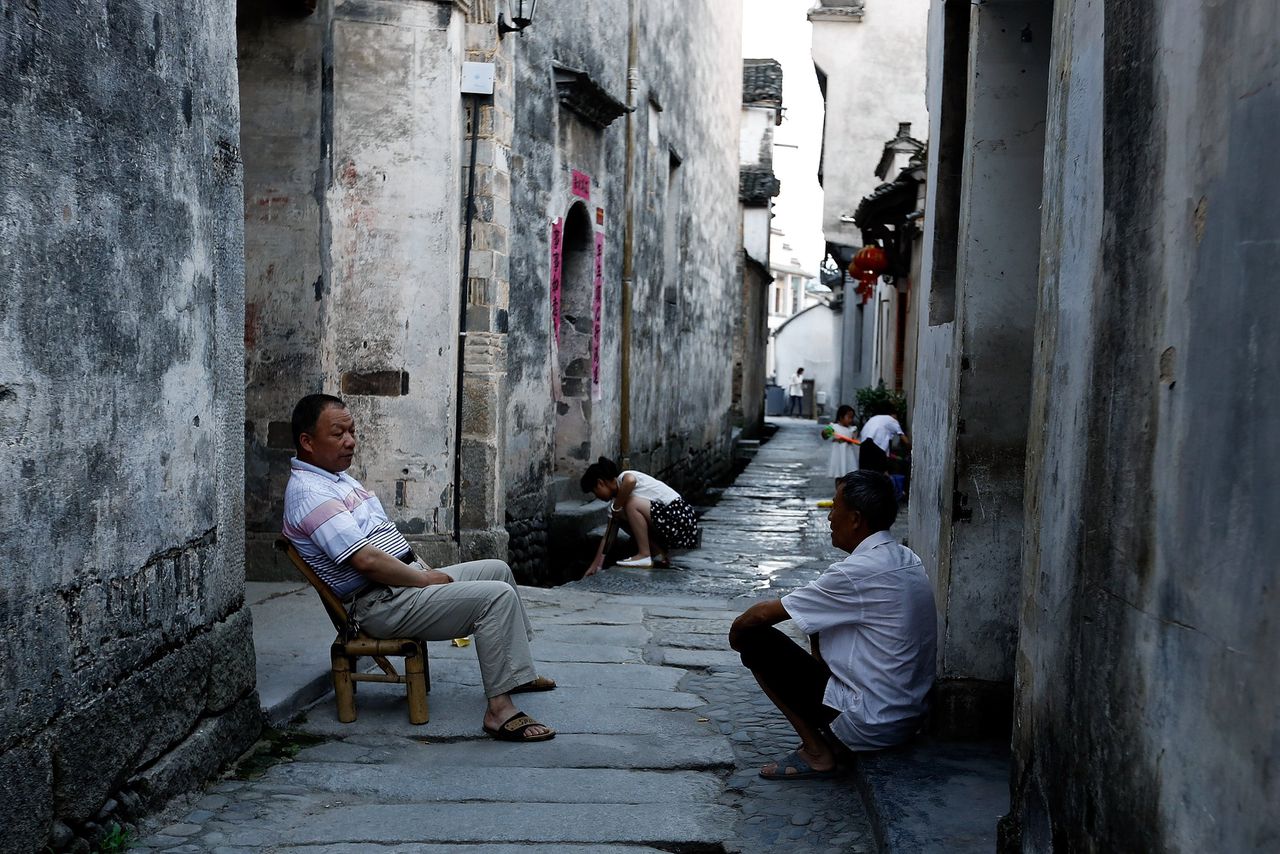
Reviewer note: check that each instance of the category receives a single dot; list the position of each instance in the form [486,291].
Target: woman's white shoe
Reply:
[645,562]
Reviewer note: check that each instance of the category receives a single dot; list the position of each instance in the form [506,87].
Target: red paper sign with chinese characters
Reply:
[557,272]
[581,184]
[597,300]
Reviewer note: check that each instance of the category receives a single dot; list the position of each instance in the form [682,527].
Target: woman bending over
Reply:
[655,515]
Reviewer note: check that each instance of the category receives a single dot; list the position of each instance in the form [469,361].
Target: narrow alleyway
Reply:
[661,729]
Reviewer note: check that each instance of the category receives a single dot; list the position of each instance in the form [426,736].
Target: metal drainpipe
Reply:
[462,327]
[628,233]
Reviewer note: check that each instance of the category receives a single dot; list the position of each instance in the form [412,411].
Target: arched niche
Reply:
[573,344]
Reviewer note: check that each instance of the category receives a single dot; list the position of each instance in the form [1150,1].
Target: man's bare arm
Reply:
[767,613]
[377,565]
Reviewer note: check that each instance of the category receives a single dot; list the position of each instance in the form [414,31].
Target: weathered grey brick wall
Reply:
[687,285]
[686,295]
[128,666]
[541,193]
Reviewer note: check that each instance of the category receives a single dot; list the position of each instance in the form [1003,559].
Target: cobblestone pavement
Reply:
[810,816]
[765,534]
[661,730]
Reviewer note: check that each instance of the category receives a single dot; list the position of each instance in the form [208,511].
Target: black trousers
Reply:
[871,458]
[793,675]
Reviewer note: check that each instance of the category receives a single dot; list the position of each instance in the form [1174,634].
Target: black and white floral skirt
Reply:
[675,524]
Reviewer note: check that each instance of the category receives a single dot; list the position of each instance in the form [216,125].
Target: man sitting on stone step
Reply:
[872,627]
[342,532]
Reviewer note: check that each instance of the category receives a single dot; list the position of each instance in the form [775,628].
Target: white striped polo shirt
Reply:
[329,517]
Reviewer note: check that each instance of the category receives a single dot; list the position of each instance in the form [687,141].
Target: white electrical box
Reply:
[477,78]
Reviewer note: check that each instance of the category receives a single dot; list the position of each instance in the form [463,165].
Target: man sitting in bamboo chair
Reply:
[342,532]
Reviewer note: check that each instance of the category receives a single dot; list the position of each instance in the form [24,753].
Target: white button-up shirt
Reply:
[877,624]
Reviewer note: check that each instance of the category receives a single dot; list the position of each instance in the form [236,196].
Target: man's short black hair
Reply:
[871,494]
[307,412]
[602,469]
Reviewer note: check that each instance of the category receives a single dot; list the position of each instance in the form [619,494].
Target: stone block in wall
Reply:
[232,661]
[28,697]
[264,562]
[527,548]
[479,461]
[493,183]
[125,728]
[485,543]
[480,406]
[26,799]
[211,746]
[137,721]
[487,235]
[497,212]
[391,383]
[486,353]
[481,265]
[437,550]
[971,709]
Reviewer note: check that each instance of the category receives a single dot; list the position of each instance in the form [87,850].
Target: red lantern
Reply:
[871,258]
[866,267]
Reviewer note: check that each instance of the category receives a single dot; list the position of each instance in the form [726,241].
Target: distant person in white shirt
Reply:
[795,389]
[872,626]
[877,436]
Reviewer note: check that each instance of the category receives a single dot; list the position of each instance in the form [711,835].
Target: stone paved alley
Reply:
[660,728]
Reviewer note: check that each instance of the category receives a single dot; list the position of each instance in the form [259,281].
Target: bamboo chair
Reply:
[351,643]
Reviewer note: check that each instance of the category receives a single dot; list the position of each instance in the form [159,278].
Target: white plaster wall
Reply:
[755,233]
[875,79]
[353,240]
[395,219]
[983,376]
[809,340]
[757,124]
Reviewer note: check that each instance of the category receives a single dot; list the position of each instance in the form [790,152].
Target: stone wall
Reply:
[1147,662]
[750,349]
[973,389]
[129,668]
[686,245]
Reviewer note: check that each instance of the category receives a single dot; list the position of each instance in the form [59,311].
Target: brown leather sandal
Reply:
[516,726]
[539,683]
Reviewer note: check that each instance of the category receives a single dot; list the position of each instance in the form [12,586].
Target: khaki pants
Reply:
[482,600]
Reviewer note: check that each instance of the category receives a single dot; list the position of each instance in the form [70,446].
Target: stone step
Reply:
[489,823]
[572,750]
[936,796]
[291,636]
[456,713]
[403,782]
